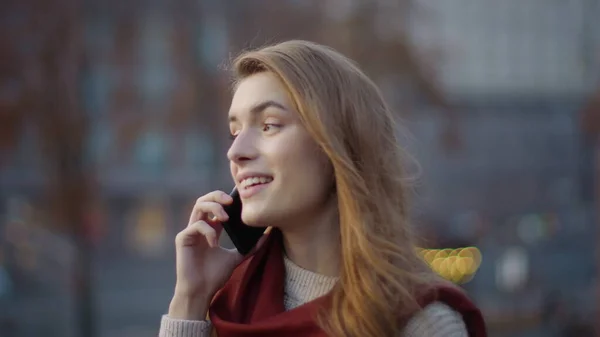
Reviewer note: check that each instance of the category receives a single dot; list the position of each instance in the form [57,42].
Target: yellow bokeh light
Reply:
[476,254]
[437,264]
[455,274]
[457,265]
[465,253]
[429,255]
[461,265]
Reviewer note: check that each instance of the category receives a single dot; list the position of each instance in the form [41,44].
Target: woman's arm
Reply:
[171,327]
[436,320]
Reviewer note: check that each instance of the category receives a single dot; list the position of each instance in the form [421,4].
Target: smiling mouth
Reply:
[254,181]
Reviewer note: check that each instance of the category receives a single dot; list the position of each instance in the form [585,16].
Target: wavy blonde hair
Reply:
[346,115]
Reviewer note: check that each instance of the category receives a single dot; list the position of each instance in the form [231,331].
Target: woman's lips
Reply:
[252,190]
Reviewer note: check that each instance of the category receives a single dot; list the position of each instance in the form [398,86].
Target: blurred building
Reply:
[519,185]
[520,73]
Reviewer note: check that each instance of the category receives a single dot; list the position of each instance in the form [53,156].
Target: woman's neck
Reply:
[314,244]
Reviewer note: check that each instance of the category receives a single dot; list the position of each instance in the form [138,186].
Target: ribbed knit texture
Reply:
[303,285]
[170,327]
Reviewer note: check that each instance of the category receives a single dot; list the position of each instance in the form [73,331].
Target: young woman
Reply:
[315,156]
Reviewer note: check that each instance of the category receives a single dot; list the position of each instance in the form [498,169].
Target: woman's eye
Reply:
[270,126]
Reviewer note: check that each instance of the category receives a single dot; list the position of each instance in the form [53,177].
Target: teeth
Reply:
[254,181]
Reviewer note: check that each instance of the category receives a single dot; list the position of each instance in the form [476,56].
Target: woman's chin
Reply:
[253,220]
[261,219]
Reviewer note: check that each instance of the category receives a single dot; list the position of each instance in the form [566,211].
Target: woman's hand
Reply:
[202,265]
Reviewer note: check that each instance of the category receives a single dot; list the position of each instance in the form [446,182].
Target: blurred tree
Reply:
[373,33]
[185,114]
[125,113]
[43,57]
[370,32]
[590,122]
[12,92]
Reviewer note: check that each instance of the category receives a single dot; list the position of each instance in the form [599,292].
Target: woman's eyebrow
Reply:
[259,108]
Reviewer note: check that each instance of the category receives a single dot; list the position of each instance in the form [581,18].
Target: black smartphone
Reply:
[244,237]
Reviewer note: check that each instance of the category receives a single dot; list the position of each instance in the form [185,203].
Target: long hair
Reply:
[345,113]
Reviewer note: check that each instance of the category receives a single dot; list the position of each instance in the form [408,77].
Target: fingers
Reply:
[203,209]
[210,203]
[199,230]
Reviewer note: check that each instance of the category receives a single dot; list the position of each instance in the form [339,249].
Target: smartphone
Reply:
[244,237]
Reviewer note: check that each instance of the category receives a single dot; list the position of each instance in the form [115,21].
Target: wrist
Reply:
[193,308]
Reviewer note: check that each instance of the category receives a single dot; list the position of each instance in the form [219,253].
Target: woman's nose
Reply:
[243,148]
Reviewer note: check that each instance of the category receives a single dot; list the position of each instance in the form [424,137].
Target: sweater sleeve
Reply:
[170,327]
[436,320]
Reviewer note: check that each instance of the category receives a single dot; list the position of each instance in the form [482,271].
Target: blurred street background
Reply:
[112,123]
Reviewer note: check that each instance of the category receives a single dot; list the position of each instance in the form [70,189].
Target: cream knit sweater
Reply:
[301,286]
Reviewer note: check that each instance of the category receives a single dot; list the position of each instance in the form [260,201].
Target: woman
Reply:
[315,156]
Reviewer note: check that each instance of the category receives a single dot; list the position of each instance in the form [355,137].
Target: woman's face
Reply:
[279,170]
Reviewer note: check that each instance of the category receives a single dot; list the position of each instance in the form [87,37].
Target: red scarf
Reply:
[251,302]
